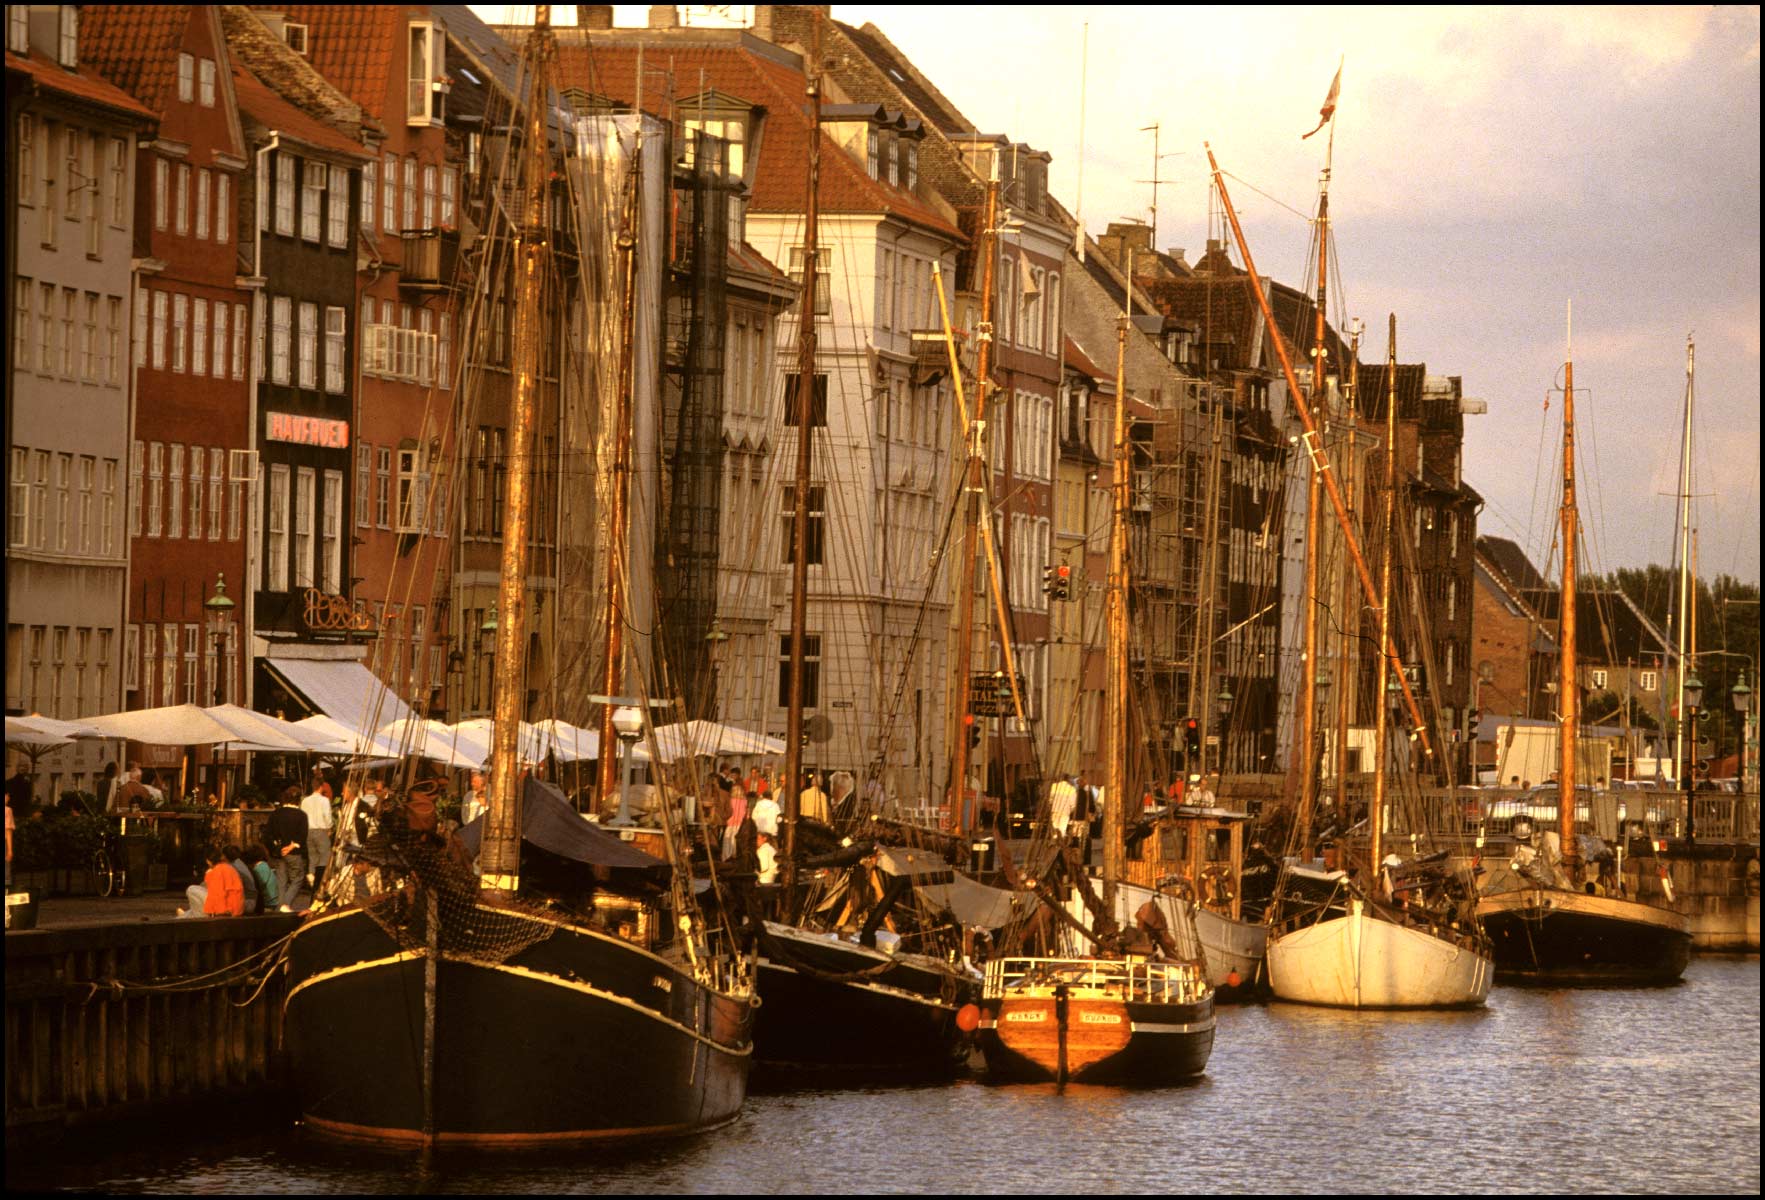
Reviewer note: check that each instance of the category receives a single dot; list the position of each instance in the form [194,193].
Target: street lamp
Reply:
[1692,698]
[1222,705]
[628,724]
[1741,696]
[219,608]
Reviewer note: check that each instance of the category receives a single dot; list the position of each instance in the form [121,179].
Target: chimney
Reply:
[664,16]
[1176,253]
[763,21]
[594,16]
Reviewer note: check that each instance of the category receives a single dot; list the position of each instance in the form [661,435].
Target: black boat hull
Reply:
[1550,936]
[826,1009]
[1163,1044]
[580,1038]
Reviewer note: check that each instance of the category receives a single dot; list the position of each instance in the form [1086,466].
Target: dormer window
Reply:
[426,88]
[294,34]
[205,82]
[70,35]
[18,28]
[732,130]
[910,154]
[873,163]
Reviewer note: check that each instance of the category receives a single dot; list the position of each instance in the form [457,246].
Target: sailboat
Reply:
[568,990]
[1550,924]
[1333,941]
[838,1001]
[1139,1008]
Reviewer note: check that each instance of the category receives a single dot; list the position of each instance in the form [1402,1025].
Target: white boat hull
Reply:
[1361,961]
[1230,947]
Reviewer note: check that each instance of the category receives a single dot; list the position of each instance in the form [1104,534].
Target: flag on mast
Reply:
[1329,109]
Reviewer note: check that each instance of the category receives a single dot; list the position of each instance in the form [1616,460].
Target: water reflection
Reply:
[1543,1091]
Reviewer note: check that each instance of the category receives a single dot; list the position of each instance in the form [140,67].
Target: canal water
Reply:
[1543,1091]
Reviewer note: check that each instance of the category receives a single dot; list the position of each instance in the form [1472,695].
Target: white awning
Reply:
[342,689]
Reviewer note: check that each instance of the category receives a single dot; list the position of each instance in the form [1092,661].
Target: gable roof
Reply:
[272,112]
[932,104]
[1507,557]
[352,45]
[135,46]
[1609,628]
[83,85]
[607,66]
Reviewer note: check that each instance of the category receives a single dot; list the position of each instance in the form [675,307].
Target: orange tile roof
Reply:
[84,84]
[608,68]
[135,46]
[352,45]
[271,111]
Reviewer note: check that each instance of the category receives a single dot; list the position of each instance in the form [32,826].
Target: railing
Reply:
[1721,816]
[1130,978]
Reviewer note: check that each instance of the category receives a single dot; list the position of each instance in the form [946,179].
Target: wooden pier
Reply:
[110,1020]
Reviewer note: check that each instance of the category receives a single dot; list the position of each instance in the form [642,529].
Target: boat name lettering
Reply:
[663,983]
[1028,1018]
[1091,1018]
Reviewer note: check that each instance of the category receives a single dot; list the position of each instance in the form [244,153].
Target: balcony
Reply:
[430,258]
[931,355]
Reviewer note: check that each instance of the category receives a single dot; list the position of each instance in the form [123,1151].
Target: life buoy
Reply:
[1216,888]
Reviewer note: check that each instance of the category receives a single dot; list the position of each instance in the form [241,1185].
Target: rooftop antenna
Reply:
[1157,158]
[1084,75]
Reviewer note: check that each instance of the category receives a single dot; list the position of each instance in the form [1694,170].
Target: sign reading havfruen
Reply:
[307,431]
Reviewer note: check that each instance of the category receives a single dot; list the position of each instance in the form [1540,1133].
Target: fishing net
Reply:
[417,864]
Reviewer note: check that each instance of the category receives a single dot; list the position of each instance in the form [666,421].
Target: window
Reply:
[21,324]
[335,344]
[180,332]
[817,405]
[205,82]
[450,182]
[873,142]
[241,470]
[1648,680]
[27,139]
[413,489]
[423,73]
[304,483]
[88,535]
[312,193]
[70,144]
[218,346]
[239,341]
[444,351]
[70,40]
[18,28]
[1599,679]
[364,481]
[107,510]
[113,341]
[174,522]
[389,195]
[155,488]
[281,316]
[89,366]
[18,504]
[46,329]
[64,481]
[370,173]
[40,501]
[278,528]
[162,185]
[198,477]
[811,671]
[199,338]
[217,481]
[285,193]
[223,208]
[51,193]
[912,165]
[425,347]
[149,640]
[131,658]
[309,345]
[181,222]
[192,646]
[337,208]
[137,458]
[823,278]
[120,196]
[410,193]
[817,502]
[161,301]
[383,487]
[186,78]
[69,299]
[431,195]
[332,534]
[94,189]
[204,180]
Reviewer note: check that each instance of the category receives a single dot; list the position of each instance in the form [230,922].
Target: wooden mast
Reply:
[977,486]
[1686,609]
[1568,696]
[1115,747]
[1381,727]
[1308,688]
[500,856]
[793,739]
[1312,444]
[619,499]
[1348,634]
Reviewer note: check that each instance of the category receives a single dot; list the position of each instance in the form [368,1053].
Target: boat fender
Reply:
[968,1018]
[1666,882]
[1233,979]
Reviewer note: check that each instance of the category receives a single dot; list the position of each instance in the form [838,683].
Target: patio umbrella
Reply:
[694,739]
[188,725]
[435,741]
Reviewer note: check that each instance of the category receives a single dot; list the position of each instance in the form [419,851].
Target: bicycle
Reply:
[110,877]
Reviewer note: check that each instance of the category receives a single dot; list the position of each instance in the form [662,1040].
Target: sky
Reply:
[1491,167]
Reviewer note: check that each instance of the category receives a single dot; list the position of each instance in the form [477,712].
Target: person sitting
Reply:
[248,881]
[257,858]
[220,894]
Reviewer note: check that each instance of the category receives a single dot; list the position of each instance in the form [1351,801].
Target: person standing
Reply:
[732,825]
[105,786]
[474,805]
[1063,797]
[812,801]
[766,816]
[287,841]
[319,819]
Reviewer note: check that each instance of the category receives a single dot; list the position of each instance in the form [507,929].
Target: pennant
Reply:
[1329,109]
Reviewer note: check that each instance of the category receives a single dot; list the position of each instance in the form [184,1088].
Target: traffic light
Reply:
[1471,720]
[974,730]
[1062,582]
[1192,735]
[1048,580]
